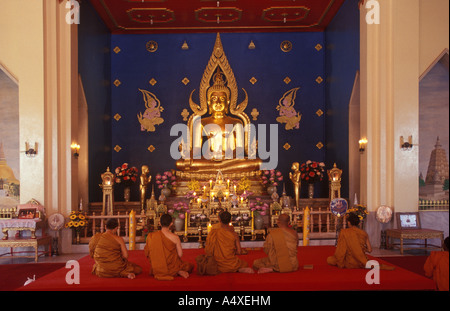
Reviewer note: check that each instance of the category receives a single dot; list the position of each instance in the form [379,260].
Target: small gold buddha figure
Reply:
[144,181]
[295,178]
[218,141]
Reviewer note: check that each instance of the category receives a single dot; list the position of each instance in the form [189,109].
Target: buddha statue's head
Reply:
[218,95]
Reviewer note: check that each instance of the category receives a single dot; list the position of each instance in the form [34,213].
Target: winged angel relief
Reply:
[288,114]
[152,115]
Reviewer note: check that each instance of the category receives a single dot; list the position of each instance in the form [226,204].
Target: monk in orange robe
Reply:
[353,244]
[281,249]
[436,267]
[164,252]
[111,255]
[223,243]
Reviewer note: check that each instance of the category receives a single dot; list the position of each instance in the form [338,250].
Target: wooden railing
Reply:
[96,224]
[323,225]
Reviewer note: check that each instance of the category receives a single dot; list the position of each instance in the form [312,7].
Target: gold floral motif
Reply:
[318,47]
[319,79]
[286,46]
[253,80]
[151,46]
[319,112]
[117,148]
[319,145]
[287,80]
[255,114]
[116,50]
[287,146]
[117,117]
[117,82]
[185,81]
[185,114]
[151,148]
[152,81]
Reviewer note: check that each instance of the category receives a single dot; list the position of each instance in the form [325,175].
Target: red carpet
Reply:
[411,263]
[13,276]
[321,278]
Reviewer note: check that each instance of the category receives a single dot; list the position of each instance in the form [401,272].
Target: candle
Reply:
[210,184]
[234,188]
[209,227]
[306,224]
[132,238]
[228,183]
[185,223]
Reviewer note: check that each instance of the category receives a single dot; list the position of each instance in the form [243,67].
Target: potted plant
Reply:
[270,179]
[312,172]
[166,181]
[178,213]
[77,221]
[259,209]
[127,176]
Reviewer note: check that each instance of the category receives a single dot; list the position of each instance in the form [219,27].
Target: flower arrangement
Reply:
[126,174]
[259,207]
[166,180]
[271,178]
[77,220]
[312,171]
[360,210]
[178,210]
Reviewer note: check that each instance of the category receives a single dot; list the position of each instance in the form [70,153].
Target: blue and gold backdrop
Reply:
[283,76]
[286,76]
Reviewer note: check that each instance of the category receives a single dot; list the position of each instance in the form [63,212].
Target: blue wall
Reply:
[94,65]
[134,67]
[342,64]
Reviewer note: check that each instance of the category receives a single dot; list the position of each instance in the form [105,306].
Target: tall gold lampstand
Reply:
[334,177]
[108,192]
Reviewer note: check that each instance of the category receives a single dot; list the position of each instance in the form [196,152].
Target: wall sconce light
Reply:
[406,145]
[30,152]
[362,145]
[76,149]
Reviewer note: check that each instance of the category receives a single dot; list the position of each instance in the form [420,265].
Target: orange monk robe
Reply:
[107,254]
[350,250]
[436,267]
[221,243]
[163,257]
[281,249]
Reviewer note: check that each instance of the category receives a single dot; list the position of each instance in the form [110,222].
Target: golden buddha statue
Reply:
[221,140]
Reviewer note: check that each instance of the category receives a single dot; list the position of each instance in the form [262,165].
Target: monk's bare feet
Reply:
[131,276]
[183,274]
[265,270]
[246,270]
[243,252]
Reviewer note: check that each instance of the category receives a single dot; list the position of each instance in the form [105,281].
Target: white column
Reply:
[390,107]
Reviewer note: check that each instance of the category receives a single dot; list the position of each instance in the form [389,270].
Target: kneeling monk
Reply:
[281,249]
[352,246]
[164,252]
[111,255]
[223,243]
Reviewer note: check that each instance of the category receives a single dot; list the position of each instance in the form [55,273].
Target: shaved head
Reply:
[284,219]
